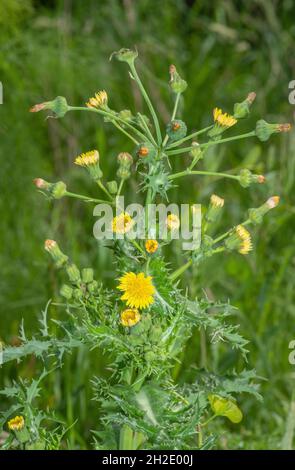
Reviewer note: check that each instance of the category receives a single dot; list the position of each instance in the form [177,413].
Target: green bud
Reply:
[123,173]
[150,356]
[73,272]
[54,190]
[92,286]
[125,114]
[57,255]
[125,159]
[77,294]
[59,106]
[241,110]
[215,208]
[125,55]
[177,84]
[112,187]
[66,291]
[264,130]
[176,130]
[246,178]
[87,275]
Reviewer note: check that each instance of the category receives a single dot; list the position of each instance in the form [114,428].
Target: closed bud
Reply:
[66,291]
[256,214]
[73,273]
[57,255]
[264,130]
[176,130]
[241,110]
[112,187]
[53,190]
[125,159]
[126,115]
[123,173]
[246,178]
[87,275]
[59,106]
[92,286]
[177,84]
[125,55]
[215,207]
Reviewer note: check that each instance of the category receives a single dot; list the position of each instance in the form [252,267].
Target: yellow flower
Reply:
[100,100]
[216,201]
[173,222]
[88,158]
[16,424]
[151,246]
[245,237]
[138,289]
[122,223]
[130,317]
[223,119]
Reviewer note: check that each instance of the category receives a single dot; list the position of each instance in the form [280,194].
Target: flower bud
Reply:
[241,110]
[125,55]
[177,84]
[73,272]
[125,159]
[123,173]
[126,115]
[246,178]
[59,106]
[66,291]
[87,275]
[57,255]
[215,207]
[196,153]
[264,130]
[53,190]
[112,187]
[256,214]
[92,286]
[176,130]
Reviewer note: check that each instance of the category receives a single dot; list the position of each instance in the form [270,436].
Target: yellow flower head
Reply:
[16,424]
[100,100]
[123,223]
[151,246]
[223,119]
[130,317]
[172,222]
[88,158]
[245,237]
[138,289]
[273,201]
[216,201]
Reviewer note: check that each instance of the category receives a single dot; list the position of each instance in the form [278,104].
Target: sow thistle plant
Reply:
[144,322]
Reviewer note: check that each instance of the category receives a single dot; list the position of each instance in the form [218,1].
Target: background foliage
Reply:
[224,50]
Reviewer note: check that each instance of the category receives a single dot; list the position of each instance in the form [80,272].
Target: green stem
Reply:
[111,116]
[148,102]
[120,187]
[125,132]
[146,128]
[205,173]
[126,438]
[210,143]
[180,271]
[188,137]
[173,116]
[85,198]
[208,421]
[102,187]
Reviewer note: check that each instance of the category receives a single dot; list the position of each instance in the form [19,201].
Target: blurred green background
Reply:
[224,49]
